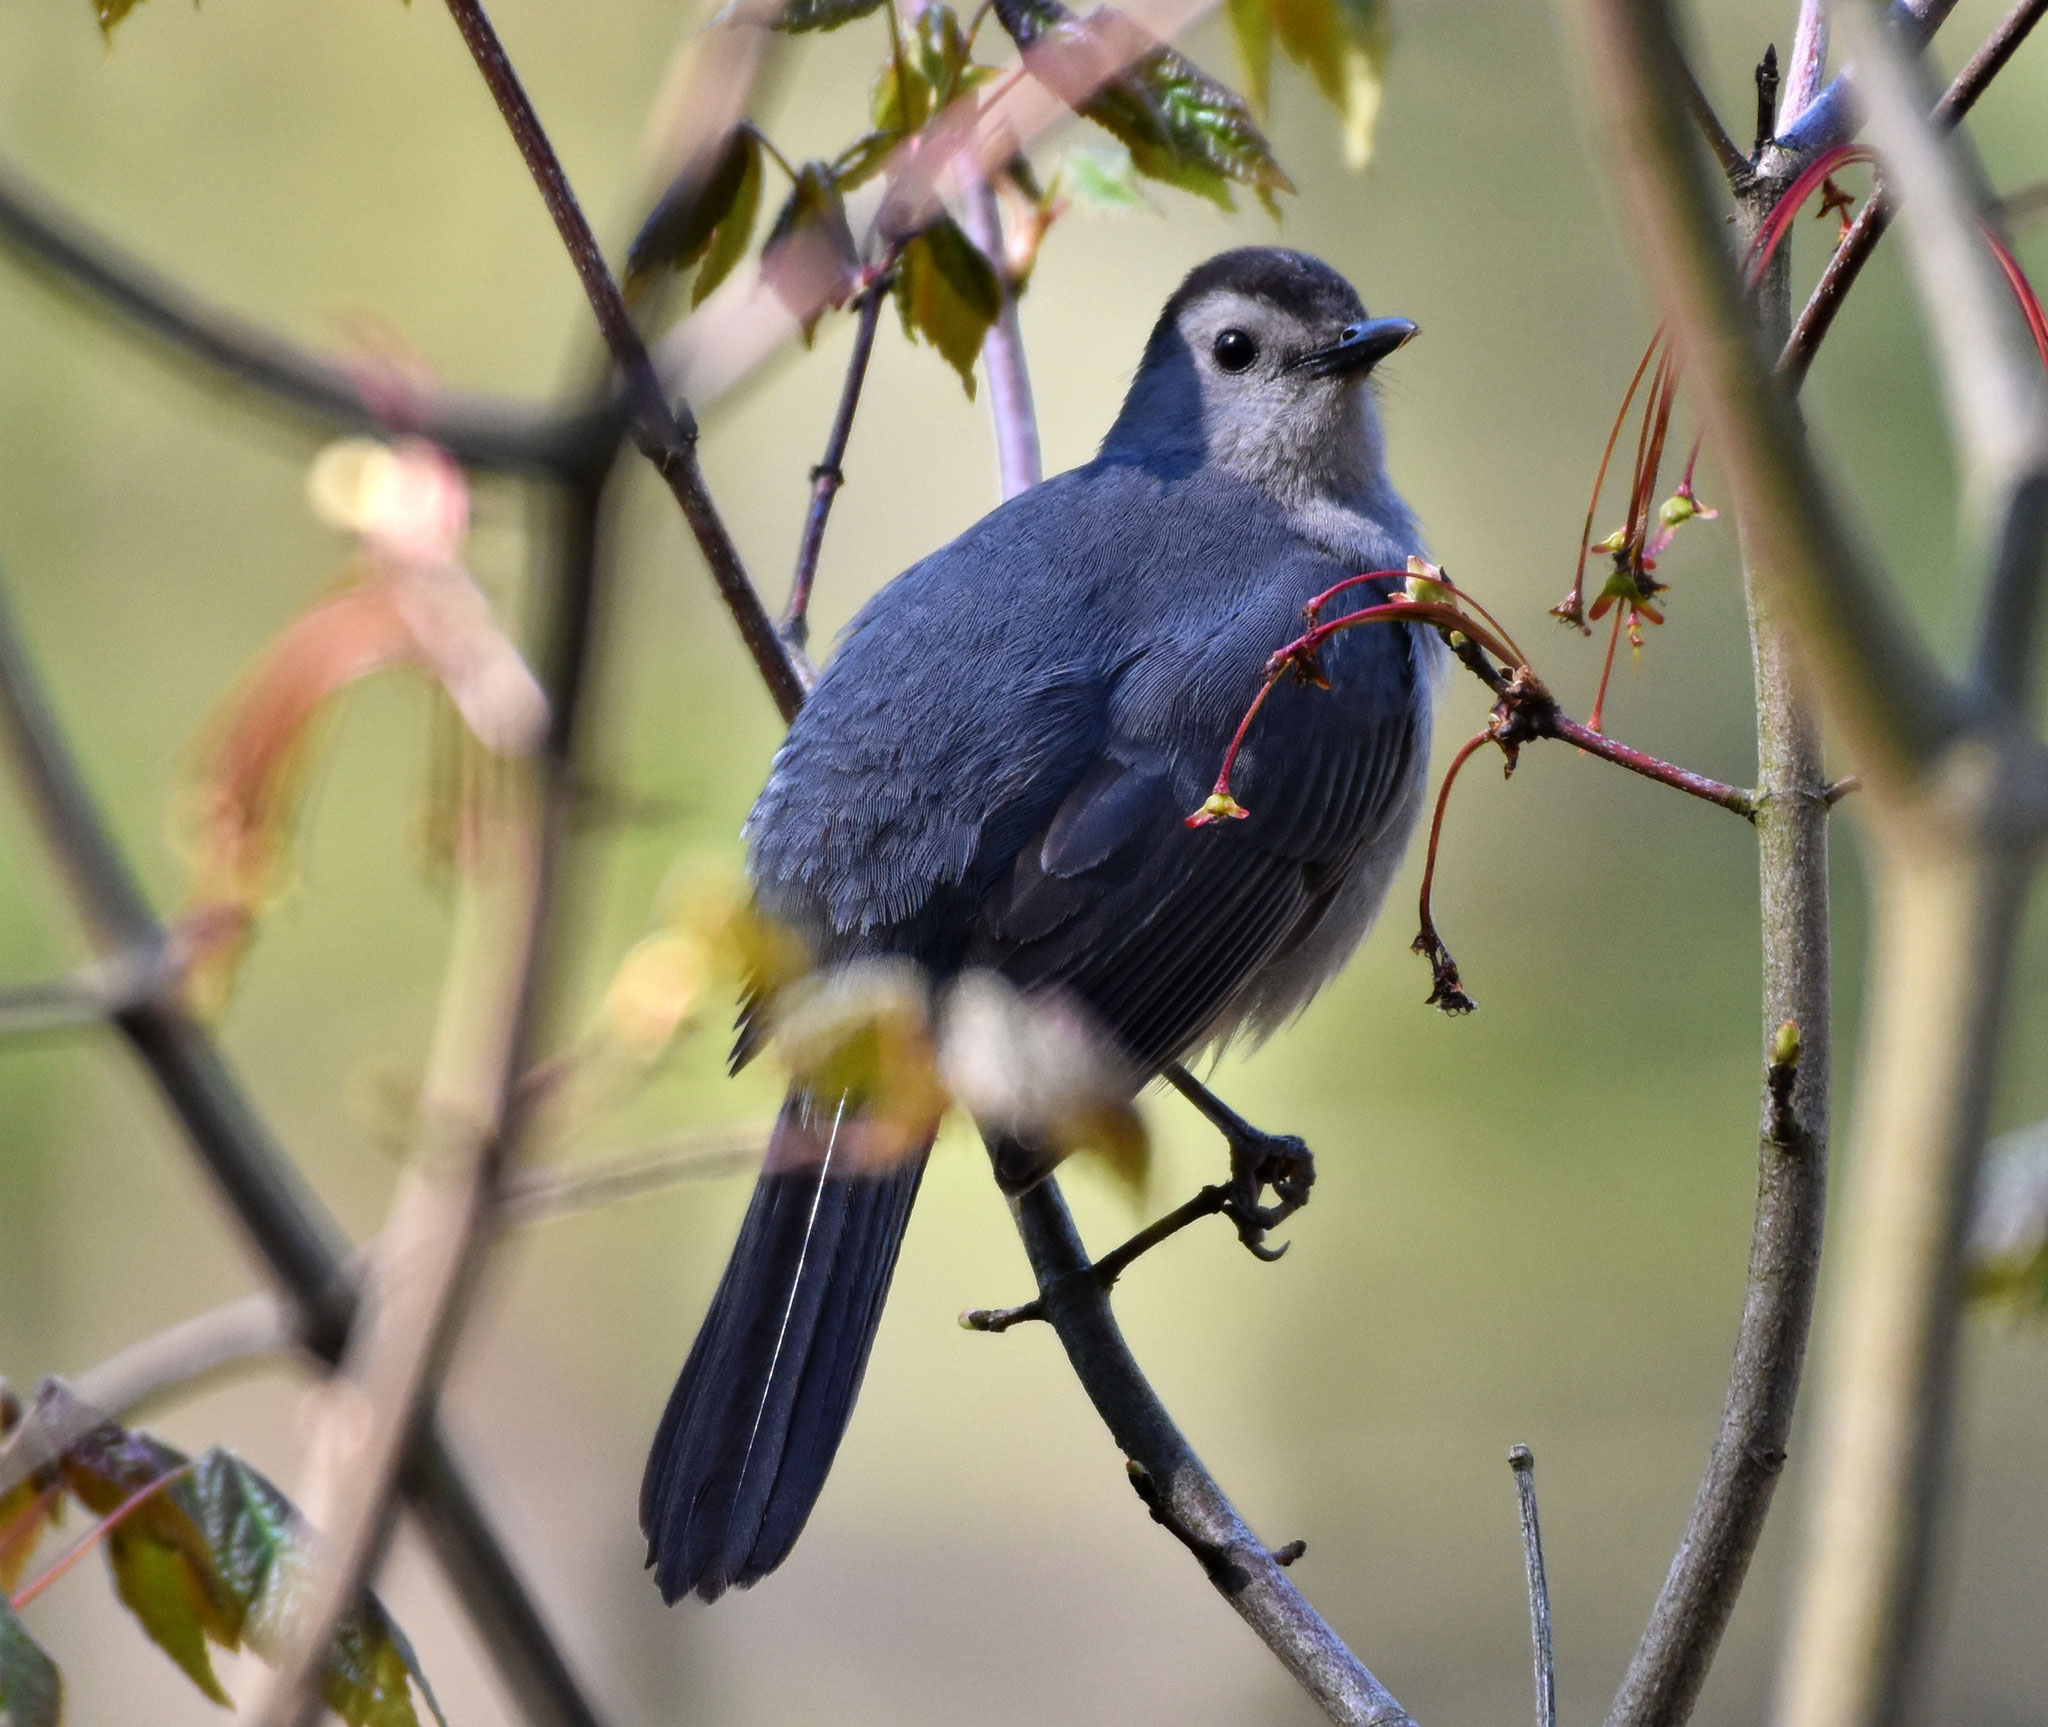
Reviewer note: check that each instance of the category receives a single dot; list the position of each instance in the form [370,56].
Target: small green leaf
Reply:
[863,159]
[729,239]
[684,224]
[31,1689]
[1180,125]
[1101,180]
[901,99]
[818,14]
[949,294]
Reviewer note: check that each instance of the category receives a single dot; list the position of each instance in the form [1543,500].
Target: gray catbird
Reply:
[995,771]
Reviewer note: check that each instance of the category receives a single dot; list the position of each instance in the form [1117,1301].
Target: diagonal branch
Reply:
[1170,1478]
[666,434]
[480,432]
[302,1246]
[1996,396]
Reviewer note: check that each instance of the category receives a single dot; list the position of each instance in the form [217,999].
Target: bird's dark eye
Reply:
[1235,350]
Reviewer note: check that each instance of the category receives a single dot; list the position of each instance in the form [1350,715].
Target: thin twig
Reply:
[1733,162]
[480,432]
[1523,1462]
[1568,730]
[829,475]
[302,1246]
[665,431]
[1806,63]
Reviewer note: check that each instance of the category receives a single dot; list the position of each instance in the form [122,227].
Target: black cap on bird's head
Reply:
[1250,367]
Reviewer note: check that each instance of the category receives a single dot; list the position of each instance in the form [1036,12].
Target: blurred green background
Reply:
[1532,1224]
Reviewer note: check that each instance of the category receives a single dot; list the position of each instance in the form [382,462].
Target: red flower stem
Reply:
[1328,594]
[1222,786]
[1518,658]
[2022,289]
[1436,832]
[1779,222]
[1607,667]
[1595,743]
[90,1539]
[1636,532]
[1574,608]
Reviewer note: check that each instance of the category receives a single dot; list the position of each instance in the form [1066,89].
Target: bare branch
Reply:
[237,1336]
[1523,1462]
[666,433]
[1893,702]
[1734,164]
[1996,397]
[299,1242]
[829,475]
[1002,354]
[1180,1492]
[531,1196]
[480,432]
[1832,117]
[1805,65]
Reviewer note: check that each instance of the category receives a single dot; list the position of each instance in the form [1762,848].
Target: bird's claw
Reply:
[1281,1161]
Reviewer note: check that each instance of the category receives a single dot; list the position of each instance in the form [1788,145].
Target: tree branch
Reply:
[1707,1571]
[299,1242]
[1002,353]
[1894,704]
[665,433]
[480,432]
[426,1259]
[1856,246]
[1180,1492]
[828,476]
[1996,396]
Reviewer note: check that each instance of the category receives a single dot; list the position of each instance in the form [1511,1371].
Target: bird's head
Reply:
[1257,367]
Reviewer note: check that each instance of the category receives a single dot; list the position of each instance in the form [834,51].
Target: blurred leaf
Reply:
[1251,28]
[900,100]
[948,293]
[111,12]
[219,1557]
[31,1690]
[684,222]
[2005,1257]
[1038,1069]
[1180,125]
[652,993]
[863,159]
[812,220]
[862,1032]
[821,14]
[1100,180]
[1343,45]
[729,239]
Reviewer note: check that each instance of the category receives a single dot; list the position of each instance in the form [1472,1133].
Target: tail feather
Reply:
[752,1426]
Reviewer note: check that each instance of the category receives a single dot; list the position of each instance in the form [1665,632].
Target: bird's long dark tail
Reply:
[752,1426]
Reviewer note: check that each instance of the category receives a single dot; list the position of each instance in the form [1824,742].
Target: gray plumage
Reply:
[995,770]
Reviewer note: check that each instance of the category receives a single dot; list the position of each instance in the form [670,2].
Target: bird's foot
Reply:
[1281,1161]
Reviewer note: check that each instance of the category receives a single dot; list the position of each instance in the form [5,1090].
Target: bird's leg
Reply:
[1258,1160]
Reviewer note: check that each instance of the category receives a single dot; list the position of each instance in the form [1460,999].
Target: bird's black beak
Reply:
[1361,347]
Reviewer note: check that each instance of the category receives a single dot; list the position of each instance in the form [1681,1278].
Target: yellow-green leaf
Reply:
[1251,27]
[111,12]
[729,239]
[948,293]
